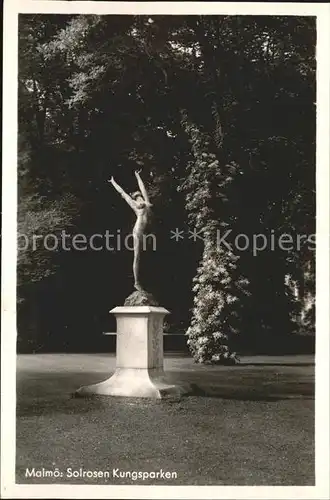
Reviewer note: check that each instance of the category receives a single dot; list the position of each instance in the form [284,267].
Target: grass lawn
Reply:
[246,425]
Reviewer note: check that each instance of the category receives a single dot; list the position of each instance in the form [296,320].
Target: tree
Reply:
[218,284]
[100,94]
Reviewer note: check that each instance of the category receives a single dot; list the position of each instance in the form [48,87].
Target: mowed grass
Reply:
[246,425]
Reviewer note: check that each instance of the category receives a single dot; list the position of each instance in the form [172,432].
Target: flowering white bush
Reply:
[217,284]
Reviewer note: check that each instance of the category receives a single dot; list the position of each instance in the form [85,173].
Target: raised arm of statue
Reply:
[126,197]
[142,188]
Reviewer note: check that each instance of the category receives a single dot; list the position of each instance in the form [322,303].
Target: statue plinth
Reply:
[139,357]
[141,298]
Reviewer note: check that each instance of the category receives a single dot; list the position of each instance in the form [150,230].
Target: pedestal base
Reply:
[139,357]
[135,383]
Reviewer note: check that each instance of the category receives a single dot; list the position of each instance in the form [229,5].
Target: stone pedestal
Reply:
[139,357]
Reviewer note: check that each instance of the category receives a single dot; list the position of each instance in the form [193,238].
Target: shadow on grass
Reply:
[278,364]
[51,393]
[247,394]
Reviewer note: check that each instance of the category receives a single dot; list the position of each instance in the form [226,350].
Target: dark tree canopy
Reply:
[219,112]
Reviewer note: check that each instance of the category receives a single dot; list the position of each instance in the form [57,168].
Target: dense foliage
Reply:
[219,111]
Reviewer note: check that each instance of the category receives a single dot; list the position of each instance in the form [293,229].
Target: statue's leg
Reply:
[136,262]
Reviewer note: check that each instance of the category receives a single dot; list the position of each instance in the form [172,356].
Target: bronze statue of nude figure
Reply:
[139,202]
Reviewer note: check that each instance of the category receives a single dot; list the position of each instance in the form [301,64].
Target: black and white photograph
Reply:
[165,283]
